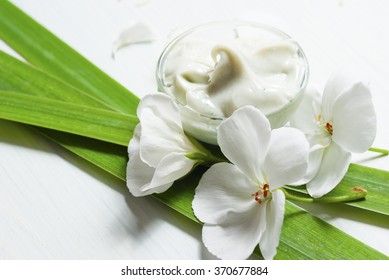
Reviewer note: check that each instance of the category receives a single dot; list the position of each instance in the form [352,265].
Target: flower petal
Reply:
[139,176]
[162,105]
[162,131]
[335,86]
[354,119]
[270,239]
[287,157]
[305,117]
[222,191]
[243,139]
[137,33]
[334,165]
[133,146]
[314,160]
[237,238]
[171,168]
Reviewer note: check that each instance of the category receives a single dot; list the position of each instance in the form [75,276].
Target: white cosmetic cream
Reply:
[216,68]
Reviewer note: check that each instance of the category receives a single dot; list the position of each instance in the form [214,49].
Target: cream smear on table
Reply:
[215,79]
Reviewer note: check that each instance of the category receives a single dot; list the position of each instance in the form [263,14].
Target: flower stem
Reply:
[299,198]
[212,159]
[378,150]
[206,159]
[355,193]
[204,155]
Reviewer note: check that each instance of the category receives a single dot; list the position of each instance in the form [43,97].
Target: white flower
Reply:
[239,203]
[341,122]
[158,149]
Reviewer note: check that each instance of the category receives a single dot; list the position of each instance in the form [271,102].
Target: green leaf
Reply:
[109,157]
[346,195]
[46,51]
[319,235]
[19,76]
[99,124]
[374,181]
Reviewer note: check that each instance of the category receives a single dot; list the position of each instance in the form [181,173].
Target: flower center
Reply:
[329,128]
[261,195]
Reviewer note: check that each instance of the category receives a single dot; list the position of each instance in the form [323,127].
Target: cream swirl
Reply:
[216,79]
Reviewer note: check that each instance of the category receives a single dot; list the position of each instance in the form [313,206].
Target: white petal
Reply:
[335,86]
[318,142]
[243,139]
[162,105]
[223,190]
[287,157]
[354,119]
[162,131]
[333,167]
[134,34]
[270,239]
[133,146]
[314,160]
[139,176]
[171,168]
[238,238]
[305,117]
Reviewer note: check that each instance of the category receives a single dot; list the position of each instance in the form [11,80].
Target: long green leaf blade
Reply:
[109,157]
[16,75]
[48,52]
[321,236]
[19,76]
[77,119]
[374,181]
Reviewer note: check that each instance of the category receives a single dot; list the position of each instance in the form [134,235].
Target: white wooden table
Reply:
[53,205]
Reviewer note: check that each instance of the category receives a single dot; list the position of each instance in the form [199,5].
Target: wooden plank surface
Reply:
[55,206]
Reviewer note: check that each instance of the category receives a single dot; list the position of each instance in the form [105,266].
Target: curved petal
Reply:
[314,160]
[238,238]
[162,105]
[354,119]
[139,176]
[162,133]
[171,168]
[270,239]
[335,86]
[287,157]
[305,117]
[133,146]
[223,191]
[244,138]
[334,165]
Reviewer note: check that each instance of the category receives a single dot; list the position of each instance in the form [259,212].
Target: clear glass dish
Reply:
[204,126]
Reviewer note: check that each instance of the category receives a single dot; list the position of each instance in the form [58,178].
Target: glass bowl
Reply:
[204,126]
